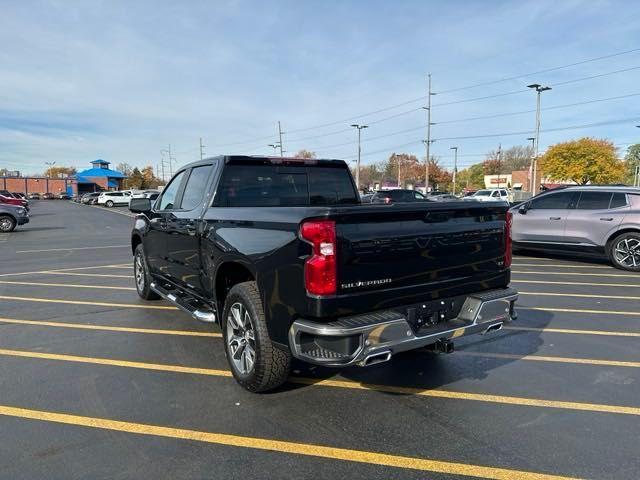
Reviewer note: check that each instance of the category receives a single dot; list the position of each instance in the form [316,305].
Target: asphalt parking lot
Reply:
[96,383]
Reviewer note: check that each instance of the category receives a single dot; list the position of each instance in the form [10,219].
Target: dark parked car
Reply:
[12,215]
[284,256]
[586,220]
[90,198]
[399,195]
[63,196]
[34,196]
[48,196]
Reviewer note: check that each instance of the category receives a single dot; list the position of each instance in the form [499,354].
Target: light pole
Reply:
[360,128]
[539,89]
[49,165]
[455,167]
[533,147]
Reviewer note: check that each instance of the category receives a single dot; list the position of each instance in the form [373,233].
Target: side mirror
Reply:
[140,205]
[523,209]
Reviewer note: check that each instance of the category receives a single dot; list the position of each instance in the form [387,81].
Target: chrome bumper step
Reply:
[375,334]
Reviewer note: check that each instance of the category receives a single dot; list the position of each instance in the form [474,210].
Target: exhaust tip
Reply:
[493,328]
[377,358]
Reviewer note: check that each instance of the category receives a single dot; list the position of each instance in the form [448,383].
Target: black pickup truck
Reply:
[282,254]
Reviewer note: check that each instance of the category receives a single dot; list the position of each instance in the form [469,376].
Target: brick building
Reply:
[99,177]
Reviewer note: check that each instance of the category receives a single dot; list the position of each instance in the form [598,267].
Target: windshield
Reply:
[482,193]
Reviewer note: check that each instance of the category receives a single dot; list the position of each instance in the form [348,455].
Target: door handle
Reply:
[608,219]
[555,218]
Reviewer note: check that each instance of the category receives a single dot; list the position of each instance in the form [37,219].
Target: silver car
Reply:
[586,220]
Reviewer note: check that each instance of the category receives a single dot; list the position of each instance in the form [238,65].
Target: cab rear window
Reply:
[274,185]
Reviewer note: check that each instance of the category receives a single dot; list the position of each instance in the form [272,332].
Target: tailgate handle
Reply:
[608,219]
[555,218]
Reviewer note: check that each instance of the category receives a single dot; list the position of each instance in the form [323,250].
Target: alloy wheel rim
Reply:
[139,273]
[627,252]
[5,224]
[241,338]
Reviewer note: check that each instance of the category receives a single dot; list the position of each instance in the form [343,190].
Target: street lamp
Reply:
[360,128]
[275,146]
[533,147]
[455,167]
[49,165]
[539,89]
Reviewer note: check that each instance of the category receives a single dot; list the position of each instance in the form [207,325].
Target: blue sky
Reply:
[122,80]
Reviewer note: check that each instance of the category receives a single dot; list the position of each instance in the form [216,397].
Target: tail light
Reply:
[320,276]
[508,256]
[387,199]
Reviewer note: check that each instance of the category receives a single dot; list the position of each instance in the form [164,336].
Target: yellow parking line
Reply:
[80,302]
[576,273]
[558,265]
[547,282]
[575,332]
[60,270]
[479,397]
[69,285]
[542,358]
[580,295]
[108,328]
[578,310]
[270,445]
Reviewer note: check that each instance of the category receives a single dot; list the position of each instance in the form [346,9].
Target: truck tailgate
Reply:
[420,245]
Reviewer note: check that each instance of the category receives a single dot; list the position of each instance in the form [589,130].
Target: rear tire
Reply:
[7,224]
[624,251]
[256,363]
[142,277]
[109,204]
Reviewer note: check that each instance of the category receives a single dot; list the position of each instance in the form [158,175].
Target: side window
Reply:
[552,201]
[195,187]
[618,200]
[594,201]
[495,194]
[169,193]
[418,196]
[503,193]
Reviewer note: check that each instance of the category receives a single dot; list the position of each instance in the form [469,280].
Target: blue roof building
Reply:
[99,177]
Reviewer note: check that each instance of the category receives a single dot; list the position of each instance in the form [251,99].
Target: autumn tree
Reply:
[136,180]
[59,172]
[587,160]
[149,178]
[305,154]
[124,168]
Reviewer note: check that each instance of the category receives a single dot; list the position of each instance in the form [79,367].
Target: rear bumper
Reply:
[357,339]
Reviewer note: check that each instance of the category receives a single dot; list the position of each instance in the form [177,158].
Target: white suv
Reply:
[490,195]
[111,199]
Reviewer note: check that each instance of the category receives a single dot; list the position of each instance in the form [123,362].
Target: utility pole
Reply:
[275,146]
[427,142]
[360,128]
[162,163]
[201,149]
[499,158]
[455,167]
[534,164]
[280,137]
[170,164]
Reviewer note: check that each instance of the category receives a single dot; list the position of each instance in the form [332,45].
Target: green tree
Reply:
[587,160]
[472,177]
[632,159]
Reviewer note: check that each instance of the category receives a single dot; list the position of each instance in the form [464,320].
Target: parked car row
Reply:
[114,198]
[14,210]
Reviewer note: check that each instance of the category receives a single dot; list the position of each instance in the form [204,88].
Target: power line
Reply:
[484,117]
[546,70]
[455,102]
